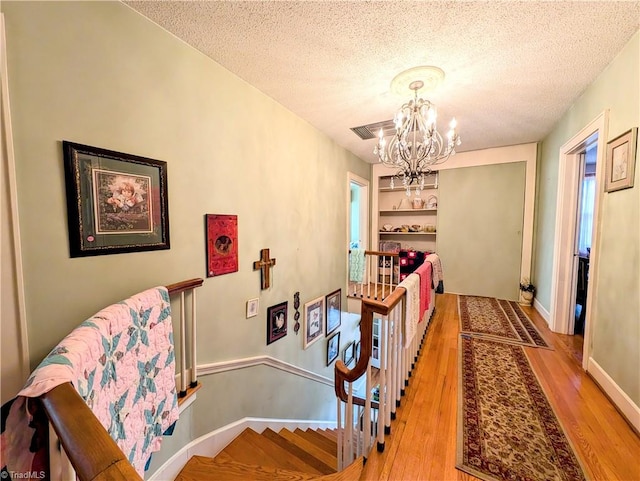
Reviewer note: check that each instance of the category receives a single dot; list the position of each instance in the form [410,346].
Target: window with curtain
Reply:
[586,213]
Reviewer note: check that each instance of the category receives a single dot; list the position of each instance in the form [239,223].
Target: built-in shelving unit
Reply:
[410,220]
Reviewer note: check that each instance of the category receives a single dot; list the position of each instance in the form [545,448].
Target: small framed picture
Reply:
[252,307]
[276,322]
[348,355]
[333,348]
[621,161]
[314,321]
[333,301]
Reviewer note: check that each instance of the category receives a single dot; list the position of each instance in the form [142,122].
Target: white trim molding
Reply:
[625,405]
[217,367]
[541,310]
[9,163]
[212,443]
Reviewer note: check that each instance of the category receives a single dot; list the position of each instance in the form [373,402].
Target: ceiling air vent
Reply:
[370,131]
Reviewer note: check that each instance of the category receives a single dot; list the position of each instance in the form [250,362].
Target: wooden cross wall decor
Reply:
[264,264]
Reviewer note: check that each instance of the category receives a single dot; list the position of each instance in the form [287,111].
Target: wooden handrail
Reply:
[182,286]
[91,450]
[369,307]
[379,253]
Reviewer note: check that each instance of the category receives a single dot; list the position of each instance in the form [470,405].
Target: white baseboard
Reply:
[623,402]
[542,311]
[212,443]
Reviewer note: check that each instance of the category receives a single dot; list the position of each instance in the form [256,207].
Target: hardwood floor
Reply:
[422,444]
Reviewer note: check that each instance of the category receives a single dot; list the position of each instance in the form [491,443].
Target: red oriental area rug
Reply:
[499,319]
[507,429]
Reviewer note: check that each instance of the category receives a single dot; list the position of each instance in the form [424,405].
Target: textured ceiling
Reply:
[512,68]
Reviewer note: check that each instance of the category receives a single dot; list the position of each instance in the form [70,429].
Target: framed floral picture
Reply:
[621,161]
[333,348]
[333,302]
[116,202]
[276,322]
[314,321]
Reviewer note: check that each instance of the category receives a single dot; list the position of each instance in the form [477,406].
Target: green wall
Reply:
[97,73]
[615,316]
[480,221]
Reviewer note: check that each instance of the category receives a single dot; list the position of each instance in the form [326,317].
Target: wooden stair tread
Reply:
[322,441]
[255,449]
[201,468]
[310,447]
[303,450]
[330,433]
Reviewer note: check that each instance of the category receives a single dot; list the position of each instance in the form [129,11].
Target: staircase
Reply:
[284,455]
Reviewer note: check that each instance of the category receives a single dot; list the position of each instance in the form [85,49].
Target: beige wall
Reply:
[480,222]
[616,311]
[99,74]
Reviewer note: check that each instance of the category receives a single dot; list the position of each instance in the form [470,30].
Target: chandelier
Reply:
[416,145]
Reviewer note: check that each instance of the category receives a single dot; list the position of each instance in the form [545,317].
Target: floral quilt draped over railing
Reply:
[122,363]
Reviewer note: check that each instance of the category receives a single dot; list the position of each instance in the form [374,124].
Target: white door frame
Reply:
[15,361]
[364,207]
[564,261]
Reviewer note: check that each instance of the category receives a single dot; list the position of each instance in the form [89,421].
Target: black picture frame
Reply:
[333,348]
[277,322]
[333,308]
[116,202]
[349,353]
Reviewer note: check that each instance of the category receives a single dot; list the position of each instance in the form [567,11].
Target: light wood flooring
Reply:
[422,444]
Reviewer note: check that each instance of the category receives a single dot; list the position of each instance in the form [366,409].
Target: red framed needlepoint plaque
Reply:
[222,244]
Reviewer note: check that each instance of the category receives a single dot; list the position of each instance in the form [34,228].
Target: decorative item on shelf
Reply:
[527,291]
[415,228]
[400,204]
[418,203]
[387,228]
[416,145]
[429,228]
[432,202]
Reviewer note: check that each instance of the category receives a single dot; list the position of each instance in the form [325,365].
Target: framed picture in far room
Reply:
[333,348]
[276,322]
[314,321]
[349,353]
[333,301]
[621,161]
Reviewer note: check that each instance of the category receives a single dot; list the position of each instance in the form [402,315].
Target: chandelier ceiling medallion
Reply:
[416,145]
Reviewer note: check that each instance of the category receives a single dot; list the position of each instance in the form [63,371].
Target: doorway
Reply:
[566,255]
[357,226]
[358,212]
[584,231]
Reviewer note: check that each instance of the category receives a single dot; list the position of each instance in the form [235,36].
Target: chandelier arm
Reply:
[416,145]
